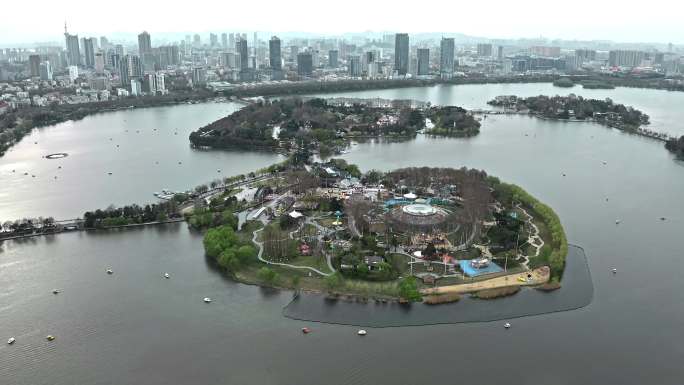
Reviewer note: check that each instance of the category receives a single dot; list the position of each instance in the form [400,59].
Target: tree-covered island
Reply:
[573,107]
[329,125]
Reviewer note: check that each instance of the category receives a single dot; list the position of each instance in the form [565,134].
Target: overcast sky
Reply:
[622,21]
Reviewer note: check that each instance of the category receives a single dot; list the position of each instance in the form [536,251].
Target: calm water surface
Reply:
[136,327]
[151,143]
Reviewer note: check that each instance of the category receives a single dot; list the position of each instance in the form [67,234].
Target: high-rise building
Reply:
[135,66]
[274,55]
[213,40]
[242,50]
[231,41]
[99,62]
[401,53]
[34,65]
[199,76]
[484,49]
[304,64]
[333,58]
[354,65]
[89,49]
[446,58]
[144,43]
[136,87]
[104,43]
[499,52]
[124,73]
[227,60]
[113,60]
[224,40]
[196,40]
[169,55]
[73,51]
[625,58]
[423,67]
[45,71]
[119,49]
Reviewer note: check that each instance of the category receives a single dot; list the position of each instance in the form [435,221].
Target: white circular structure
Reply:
[419,210]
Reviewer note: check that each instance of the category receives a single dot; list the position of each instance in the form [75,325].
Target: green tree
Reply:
[408,289]
[267,275]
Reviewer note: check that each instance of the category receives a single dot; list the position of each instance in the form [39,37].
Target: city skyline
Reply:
[583,20]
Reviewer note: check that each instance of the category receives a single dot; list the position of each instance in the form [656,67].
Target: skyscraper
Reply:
[144,43]
[354,65]
[242,50]
[401,53]
[145,49]
[89,48]
[446,58]
[423,68]
[304,64]
[333,58]
[45,71]
[213,39]
[124,74]
[73,51]
[224,40]
[274,55]
[104,43]
[34,65]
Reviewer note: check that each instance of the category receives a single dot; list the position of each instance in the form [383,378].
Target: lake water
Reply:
[151,143]
[136,327]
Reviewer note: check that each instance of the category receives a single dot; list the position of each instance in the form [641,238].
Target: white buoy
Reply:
[167,276]
[507,325]
[207,299]
[10,341]
[362,332]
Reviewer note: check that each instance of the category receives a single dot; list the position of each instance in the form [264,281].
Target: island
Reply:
[411,234]
[328,125]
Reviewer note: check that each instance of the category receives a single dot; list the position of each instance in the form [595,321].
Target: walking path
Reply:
[535,240]
[260,246]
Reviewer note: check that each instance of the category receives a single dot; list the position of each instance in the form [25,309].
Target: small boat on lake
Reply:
[306,330]
[362,332]
[10,341]
[207,300]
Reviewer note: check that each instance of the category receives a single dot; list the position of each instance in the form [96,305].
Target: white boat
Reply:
[507,325]
[109,271]
[55,291]
[167,276]
[10,341]
[617,221]
[361,332]
[50,337]
[614,271]
[207,299]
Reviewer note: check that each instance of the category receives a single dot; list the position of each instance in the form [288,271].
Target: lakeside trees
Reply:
[676,146]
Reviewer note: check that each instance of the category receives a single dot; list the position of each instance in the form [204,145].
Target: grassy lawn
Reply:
[311,261]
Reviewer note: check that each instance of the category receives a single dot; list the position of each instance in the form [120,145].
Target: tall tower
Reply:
[73,51]
[446,58]
[401,53]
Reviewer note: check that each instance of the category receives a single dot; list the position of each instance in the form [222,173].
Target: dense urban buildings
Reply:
[81,70]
